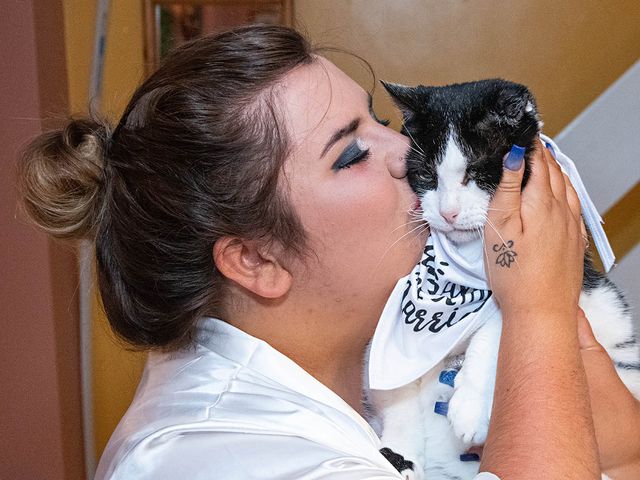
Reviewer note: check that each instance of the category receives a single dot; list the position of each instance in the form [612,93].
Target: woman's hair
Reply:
[197,155]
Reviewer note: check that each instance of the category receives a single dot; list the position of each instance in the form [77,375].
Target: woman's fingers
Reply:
[507,199]
[541,236]
[556,177]
[572,199]
[539,186]
[560,183]
[585,235]
[504,227]
[563,190]
[586,338]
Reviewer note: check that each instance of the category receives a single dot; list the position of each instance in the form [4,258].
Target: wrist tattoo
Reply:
[506,254]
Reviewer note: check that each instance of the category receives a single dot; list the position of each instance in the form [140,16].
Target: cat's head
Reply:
[459,136]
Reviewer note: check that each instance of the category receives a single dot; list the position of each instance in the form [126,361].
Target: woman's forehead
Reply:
[318,98]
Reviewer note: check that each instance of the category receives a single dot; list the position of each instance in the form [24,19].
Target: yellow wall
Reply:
[568,52]
[115,370]
[123,68]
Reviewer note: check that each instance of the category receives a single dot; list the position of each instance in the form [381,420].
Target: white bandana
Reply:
[590,215]
[446,298]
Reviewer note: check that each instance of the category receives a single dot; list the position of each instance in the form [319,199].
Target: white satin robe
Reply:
[233,407]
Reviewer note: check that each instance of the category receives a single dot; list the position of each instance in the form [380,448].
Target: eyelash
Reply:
[356,152]
[383,121]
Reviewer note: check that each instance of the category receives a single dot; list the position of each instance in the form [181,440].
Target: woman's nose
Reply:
[397,167]
[396,156]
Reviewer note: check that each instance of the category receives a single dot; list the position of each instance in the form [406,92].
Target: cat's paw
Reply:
[469,411]
[409,470]
[410,474]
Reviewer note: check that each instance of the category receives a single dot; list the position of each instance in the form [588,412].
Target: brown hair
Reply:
[196,156]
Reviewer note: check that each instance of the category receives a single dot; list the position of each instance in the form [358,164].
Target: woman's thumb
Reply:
[586,339]
[506,201]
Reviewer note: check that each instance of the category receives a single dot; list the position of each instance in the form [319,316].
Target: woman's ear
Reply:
[251,265]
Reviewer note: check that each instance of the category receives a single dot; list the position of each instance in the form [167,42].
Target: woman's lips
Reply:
[418,204]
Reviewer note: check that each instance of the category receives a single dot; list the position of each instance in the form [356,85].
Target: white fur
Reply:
[470,405]
[410,426]
[469,200]
[434,442]
[612,326]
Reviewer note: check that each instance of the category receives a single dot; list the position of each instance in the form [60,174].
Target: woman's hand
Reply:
[558,251]
[541,424]
[616,414]
[533,240]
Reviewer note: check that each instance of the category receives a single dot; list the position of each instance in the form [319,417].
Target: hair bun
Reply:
[61,175]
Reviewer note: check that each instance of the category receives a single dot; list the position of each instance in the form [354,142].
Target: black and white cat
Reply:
[460,134]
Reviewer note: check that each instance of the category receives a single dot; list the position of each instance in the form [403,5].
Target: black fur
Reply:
[486,117]
[397,460]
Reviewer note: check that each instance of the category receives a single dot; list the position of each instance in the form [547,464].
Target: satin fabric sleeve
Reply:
[207,456]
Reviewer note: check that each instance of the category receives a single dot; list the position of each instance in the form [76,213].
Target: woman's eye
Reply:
[356,152]
[384,122]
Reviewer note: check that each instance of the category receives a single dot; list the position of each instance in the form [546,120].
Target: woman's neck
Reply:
[330,351]
[343,374]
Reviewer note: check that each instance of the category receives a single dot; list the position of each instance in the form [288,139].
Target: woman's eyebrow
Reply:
[343,132]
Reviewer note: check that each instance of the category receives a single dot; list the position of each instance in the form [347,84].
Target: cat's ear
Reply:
[514,102]
[404,97]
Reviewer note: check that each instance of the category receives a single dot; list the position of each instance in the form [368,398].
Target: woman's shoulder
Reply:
[241,399]
[233,455]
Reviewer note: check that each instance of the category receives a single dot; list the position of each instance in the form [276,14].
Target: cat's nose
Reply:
[450,215]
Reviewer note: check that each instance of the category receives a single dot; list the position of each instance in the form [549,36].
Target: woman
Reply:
[250,217]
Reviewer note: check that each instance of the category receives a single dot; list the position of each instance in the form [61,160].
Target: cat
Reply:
[459,135]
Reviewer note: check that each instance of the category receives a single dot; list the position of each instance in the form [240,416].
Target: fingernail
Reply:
[441,408]
[550,148]
[447,377]
[513,160]
[469,457]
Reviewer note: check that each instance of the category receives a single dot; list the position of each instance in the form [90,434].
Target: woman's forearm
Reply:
[541,425]
[616,413]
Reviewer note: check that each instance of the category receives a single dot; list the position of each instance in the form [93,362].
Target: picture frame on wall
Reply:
[169,23]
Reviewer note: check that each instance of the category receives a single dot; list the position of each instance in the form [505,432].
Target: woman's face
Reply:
[346,181]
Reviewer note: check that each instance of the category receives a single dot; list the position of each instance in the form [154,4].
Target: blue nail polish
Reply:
[550,148]
[447,377]
[441,408]
[469,457]
[514,158]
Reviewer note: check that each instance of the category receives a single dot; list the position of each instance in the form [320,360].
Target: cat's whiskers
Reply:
[415,143]
[424,227]
[420,153]
[417,220]
[486,254]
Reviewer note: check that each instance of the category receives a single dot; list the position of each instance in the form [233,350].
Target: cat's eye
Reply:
[466,179]
[356,152]
[372,112]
